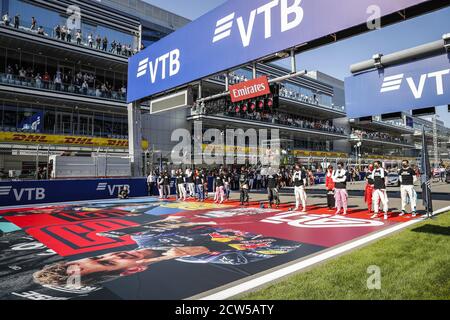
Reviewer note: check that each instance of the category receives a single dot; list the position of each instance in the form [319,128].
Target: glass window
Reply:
[10,117]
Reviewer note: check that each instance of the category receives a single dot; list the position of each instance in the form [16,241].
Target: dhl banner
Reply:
[46,139]
[319,154]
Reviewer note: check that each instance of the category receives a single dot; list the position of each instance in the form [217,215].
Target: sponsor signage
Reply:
[414,85]
[50,139]
[30,192]
[239,32]
[250,89]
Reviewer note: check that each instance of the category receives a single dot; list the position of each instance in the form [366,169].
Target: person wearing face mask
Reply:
[368,192]
[379,195]
[299,177]
[407,178]
[329,184]
[340,178]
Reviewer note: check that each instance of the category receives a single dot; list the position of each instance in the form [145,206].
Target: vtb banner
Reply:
[239,32]
[418,84]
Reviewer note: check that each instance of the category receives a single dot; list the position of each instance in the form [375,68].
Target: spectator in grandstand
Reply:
[22,74]
[58,81]
[84,87]
[38,81]
[33,23]
[69,35]
[105,44]
[98,42]
[17,21]
[6,19]
[46,80]
[91,40]
[63,33]
[57,31]
[9,72]
[79,37]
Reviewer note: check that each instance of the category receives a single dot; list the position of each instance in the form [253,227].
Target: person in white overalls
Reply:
[379,194]
[299,177]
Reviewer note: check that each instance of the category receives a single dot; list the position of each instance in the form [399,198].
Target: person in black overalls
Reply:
[272,188]
[244,186]
[166,184]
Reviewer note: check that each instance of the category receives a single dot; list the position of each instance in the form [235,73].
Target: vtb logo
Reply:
[394,83]
[103,186]
[291,17]
[23,193]
[167,64]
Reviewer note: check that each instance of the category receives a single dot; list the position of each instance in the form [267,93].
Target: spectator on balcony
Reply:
[46,80]
[98,92]
[58,81]
[38,81]
[63,33]
[9,72]
[17,21]
[91,40]
[79,37]
[41,31]
[69,35]
[84,87]
[33,23]
[123,91]
[22,74]
[113,46]
[105,44]
[57,31]
[119,48]
[6,19]
[98,42]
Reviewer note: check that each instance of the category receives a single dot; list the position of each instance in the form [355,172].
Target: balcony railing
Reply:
[383,138]
[49,32]
[273,119]
[51,86]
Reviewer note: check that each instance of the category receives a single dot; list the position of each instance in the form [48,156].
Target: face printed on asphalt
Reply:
[115,262]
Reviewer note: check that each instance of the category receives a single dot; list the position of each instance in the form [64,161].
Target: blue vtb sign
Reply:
[242,31]
[415,85]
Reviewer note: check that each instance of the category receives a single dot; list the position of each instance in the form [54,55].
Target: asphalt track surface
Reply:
[149,248]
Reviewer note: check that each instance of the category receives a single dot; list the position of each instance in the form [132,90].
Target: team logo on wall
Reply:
[320,221]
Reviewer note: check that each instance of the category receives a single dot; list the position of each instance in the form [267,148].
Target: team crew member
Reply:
[166,184]
[199,181]
[329,185]
[299,179]
[190,182]
[220,194]
[244,186]
[180,185]
[160,182]
[340,177]
[272,188]
[368,193]
[407,178]
[379,194]
[226,184]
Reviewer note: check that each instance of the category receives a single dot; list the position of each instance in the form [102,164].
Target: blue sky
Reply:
[335,59]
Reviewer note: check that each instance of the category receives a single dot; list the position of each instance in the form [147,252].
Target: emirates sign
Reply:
[250,89]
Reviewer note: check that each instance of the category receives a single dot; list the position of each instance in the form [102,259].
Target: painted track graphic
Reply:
[154,249]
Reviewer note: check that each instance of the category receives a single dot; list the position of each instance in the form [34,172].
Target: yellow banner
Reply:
[46,139]
[319,154]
